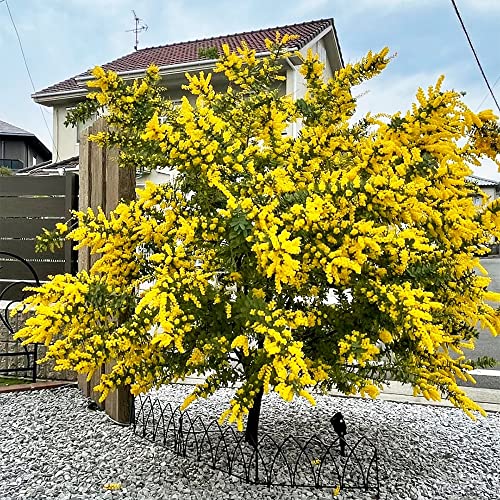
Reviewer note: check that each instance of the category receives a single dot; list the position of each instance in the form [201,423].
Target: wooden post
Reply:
[84,201]
[103,184]
[71,197]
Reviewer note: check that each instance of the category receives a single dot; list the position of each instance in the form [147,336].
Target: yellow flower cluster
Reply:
[330,259]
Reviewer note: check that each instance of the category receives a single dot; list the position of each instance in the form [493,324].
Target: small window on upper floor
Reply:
[478,200]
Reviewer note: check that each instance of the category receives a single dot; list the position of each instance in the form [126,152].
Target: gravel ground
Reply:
[53,447]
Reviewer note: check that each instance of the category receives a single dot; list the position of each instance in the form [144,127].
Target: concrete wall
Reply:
[7,345]
[35,156]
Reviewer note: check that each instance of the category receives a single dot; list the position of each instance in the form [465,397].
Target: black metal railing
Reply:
[14,357]
[277,460]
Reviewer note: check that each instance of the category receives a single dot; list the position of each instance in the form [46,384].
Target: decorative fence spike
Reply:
[297,461]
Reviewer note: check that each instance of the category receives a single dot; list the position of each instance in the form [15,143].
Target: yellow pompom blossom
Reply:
[332,259]
[112,486]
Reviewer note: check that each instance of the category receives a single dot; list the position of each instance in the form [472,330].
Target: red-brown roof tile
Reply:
[188,52]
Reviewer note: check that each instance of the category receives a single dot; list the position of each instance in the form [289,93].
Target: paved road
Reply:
[487,345]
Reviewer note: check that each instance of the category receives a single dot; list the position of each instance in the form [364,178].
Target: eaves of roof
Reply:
[184,56]
[482,182]
[68,163]
[8,131]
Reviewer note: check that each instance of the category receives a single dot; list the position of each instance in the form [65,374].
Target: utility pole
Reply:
[138,28]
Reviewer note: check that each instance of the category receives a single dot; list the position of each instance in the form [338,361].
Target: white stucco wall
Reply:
[490,192]
[65,138]
[320,49]
[296,83]
[297,88]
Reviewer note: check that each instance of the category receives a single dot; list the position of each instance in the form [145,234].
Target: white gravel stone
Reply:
[53,447]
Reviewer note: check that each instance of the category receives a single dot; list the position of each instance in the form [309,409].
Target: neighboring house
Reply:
[176,59]
[52,168]
[19,148]
[490,188]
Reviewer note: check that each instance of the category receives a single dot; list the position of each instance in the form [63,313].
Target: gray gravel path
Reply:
[53,447]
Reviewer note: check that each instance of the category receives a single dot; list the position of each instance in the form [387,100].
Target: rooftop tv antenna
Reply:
[138,28]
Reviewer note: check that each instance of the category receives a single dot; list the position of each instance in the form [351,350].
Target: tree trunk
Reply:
[252,430]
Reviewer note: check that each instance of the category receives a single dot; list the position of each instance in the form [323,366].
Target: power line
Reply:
[475,54]
[29,75]
[487,95]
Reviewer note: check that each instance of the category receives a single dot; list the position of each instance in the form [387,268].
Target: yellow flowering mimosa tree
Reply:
[338,258]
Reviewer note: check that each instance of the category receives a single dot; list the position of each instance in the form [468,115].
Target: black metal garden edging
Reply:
[296,461]
[9,293]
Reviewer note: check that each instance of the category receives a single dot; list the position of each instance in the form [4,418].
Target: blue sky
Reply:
[62,38]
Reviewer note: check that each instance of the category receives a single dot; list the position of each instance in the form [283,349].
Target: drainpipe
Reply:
[294,91]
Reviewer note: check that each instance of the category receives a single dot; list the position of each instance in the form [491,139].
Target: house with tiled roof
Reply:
[68,165]
[489,187]
[174,60]
[19,148]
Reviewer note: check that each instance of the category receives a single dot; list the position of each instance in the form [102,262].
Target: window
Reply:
[11,164]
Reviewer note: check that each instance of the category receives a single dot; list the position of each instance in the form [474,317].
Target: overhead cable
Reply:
[475,54]
[29,75]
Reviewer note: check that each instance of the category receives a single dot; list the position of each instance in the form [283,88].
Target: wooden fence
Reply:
[103,184]
[27,206]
